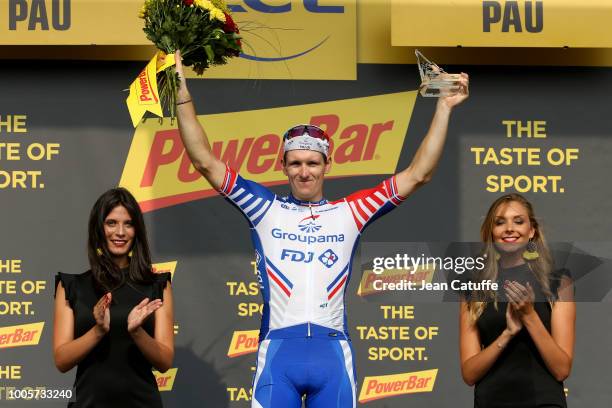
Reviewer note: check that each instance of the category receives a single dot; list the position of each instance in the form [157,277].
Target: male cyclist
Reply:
[303,249]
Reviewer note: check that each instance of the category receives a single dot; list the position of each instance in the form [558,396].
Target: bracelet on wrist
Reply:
[183,102]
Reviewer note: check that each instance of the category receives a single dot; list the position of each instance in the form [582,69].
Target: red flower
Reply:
[236,53]
[230,26]
[188,2]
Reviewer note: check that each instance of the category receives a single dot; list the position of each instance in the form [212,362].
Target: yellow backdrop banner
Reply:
[289,39]
[511,23]
[367,135]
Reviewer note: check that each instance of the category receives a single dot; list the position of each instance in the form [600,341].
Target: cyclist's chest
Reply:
[313,237]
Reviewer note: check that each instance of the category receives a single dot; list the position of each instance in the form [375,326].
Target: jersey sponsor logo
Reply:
[159,173]
[165,381]
[243,342]
[21,335]
[329,208]
[260,280]
[308,224]
[258,259]
[297,256]
[328,258]
[385,386]
[289,207]
[307,239]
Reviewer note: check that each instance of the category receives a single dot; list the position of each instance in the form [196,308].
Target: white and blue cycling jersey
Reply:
[303,252]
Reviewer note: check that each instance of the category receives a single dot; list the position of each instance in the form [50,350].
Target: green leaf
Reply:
[210,54]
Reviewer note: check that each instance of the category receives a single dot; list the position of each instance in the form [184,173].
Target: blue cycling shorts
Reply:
[319,369]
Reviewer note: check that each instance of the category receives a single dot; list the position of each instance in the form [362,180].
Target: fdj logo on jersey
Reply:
[297,256]
[308,224]
[328,258]
[310,6]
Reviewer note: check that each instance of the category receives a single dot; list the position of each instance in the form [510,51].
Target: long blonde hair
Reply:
[541,266]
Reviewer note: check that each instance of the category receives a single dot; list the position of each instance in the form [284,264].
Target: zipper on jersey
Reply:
[309,286]
[308,298]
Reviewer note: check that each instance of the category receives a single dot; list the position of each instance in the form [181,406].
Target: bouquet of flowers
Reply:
[204,32]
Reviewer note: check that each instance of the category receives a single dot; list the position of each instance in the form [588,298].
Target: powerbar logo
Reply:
[23,335]
[164,267]
[385,386]
[371,280]
[165,381]
[310,239]
[367,135]
[243,342]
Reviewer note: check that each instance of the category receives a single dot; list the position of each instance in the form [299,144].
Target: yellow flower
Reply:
[220,4]
[218,14]
[213,12]
[143,10]
[204,4]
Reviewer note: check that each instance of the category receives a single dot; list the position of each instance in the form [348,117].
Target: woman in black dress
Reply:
[115,321]
[516,344]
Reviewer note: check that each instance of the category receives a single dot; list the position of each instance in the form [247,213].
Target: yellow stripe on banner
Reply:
[71,22]
[509,23]
[373,47]
[291,39]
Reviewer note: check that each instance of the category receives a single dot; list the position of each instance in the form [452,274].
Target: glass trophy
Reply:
[434,81]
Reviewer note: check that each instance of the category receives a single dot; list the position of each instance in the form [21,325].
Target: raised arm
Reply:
[193,135]
[428,154]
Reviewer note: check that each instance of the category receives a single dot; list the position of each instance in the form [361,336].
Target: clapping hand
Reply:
[141,312]
[101,312]
[521,297]
[513,322]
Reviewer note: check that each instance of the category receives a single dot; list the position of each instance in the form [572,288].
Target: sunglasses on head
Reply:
[310,130]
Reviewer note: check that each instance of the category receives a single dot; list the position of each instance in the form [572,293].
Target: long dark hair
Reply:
[107,275]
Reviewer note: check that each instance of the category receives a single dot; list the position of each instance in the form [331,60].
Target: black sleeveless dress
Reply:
[115,373]
[519,378]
